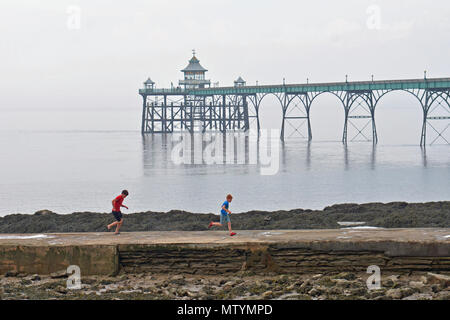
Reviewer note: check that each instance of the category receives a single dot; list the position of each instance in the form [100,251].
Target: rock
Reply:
[419,296]
[391,281]
[408,291]
[91,281]
[44,213]
[173,290]
[314,292]
[34,277]
[434,278]
[283,279]
[342,283]
[394,293]
[291,287]
[326,282]
[299,297]
[228,285]
[345,276]
[376,293]
[443,295]
[416,284]
[359,292]
[435,288]
[11,274]
[26,282]
[305,287]
[177,277]
[182,293]
[166,293]
[59,274]
[394,277]
[267,294]
[61,289]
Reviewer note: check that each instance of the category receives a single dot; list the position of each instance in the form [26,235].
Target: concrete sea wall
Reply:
[281,251]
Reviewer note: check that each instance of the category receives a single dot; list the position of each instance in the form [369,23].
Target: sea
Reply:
[81,169]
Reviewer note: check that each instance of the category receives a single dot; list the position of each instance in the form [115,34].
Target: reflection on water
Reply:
[83,171]
[158,153]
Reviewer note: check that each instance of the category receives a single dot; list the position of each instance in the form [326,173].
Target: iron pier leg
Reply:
[246,120]
[372,104]
[224,111]
[308,108]
[374,128]
[191,110]
[425,107]
[152,115]
[423,138]
[164,116]
[144,111]
[344,136]
[309,125]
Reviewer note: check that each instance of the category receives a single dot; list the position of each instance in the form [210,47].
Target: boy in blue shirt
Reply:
[224,215]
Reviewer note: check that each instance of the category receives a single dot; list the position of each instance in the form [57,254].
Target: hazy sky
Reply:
[91,54]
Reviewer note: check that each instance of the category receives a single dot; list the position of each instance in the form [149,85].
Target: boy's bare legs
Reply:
[216,224]
[119,224]
[112,224]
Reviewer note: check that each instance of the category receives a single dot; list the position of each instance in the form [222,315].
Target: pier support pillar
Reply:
[359,105]
[224,113]
[245,107]
[144,112]
[436,111]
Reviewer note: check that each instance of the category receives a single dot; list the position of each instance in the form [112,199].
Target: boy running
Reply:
[224,215]
[117,204]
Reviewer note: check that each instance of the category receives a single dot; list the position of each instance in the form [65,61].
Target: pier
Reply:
[195,106]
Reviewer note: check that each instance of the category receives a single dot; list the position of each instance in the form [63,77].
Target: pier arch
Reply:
[270,111]
[327,115]
[399,117]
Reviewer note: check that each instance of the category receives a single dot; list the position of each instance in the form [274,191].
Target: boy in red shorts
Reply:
[224,215]
[117,204]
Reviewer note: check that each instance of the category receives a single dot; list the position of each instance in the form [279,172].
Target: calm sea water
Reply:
[69,171]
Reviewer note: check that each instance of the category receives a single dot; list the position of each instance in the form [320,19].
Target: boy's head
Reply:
[125,193]
[229,197]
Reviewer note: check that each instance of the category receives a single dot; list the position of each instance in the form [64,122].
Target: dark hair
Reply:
[125,192]
[229,196]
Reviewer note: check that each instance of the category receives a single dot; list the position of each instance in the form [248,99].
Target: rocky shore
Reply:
[244,285]
[385,215]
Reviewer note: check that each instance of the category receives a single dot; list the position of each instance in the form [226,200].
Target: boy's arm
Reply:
[223,207]
[124,206]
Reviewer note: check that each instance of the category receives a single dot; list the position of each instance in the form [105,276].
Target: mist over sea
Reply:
[56,160]
[82,170]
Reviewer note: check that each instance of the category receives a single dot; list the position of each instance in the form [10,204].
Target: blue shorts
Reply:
[224,217]
[117,215]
